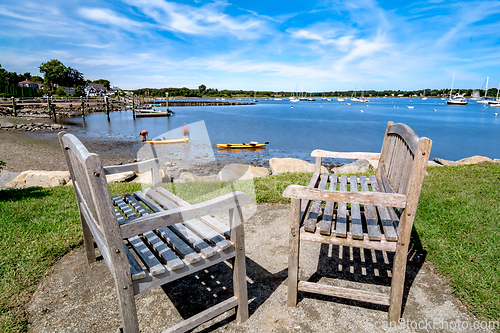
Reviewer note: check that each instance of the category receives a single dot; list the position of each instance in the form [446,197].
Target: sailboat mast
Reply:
[486,92]
[453,80]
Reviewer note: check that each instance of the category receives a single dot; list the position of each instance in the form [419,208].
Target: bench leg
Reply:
[239,264]
[126,304]
[293,254]
[88,241]
[397,282]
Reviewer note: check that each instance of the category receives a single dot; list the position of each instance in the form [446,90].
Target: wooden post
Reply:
[106,106]
[48,105]
[83,108]
[14,106]
[166,100]
[133,106]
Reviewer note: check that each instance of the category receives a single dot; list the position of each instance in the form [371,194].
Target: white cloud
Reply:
[106,16]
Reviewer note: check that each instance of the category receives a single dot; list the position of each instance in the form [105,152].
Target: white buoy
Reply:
[361,111]
[434,110]
[291,106]
[496,114]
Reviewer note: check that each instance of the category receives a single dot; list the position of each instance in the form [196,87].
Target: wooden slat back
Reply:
[397,159]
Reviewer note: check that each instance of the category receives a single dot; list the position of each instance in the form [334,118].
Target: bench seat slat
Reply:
[150,204]
[135,269]
[305,203]
[312,218]
[356,226]
[206,250]
[370,215]
[326,222]
[341,223]
[385,218]
[205,231]
[190,255]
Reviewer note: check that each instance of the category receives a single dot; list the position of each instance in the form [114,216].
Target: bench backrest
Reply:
[402,167]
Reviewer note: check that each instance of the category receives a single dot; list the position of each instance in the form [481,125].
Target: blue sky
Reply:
[261,45]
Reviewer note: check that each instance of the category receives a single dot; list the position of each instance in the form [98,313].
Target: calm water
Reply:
[456,131]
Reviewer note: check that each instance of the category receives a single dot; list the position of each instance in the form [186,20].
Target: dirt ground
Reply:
[76,297]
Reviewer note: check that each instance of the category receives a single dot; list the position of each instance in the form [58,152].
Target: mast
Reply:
[452,84]
[486,92]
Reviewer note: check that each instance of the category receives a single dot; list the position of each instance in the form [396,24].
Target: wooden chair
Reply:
[380,216]
[171,237]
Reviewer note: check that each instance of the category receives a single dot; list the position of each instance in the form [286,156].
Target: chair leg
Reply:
[88,241]
[128,311]
[239,265]
[293,254]
[397,282]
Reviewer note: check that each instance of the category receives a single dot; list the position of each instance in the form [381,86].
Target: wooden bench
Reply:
[152,237]
[382,209]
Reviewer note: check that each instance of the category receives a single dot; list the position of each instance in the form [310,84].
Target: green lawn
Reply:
[458,224]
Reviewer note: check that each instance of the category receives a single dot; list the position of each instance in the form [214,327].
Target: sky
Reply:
[271,45]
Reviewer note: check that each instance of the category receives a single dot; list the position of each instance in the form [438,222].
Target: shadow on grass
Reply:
[22,194]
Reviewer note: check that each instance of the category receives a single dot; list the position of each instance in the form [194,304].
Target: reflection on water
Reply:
[456,131]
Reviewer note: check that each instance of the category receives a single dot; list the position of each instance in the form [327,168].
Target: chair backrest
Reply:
[402,167]
[92,193]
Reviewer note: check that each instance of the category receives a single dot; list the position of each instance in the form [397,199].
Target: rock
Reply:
[432,163]
[496,160]
[120,177]
[281,165]
[39,178]
[191,177]
[374,163]
[464,161]
[240,172]
[145,177]
[7,125]
[358,166]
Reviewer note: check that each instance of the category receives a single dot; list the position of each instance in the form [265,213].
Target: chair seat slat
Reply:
[356,226]
[312,218]
[190,255]
[341,223]
[385,218]
[370,214]
[326,222]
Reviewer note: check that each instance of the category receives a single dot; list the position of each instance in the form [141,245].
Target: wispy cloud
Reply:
[106,16]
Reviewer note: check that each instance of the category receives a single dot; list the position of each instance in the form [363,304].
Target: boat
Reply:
[252,144]
[423,97]
[457,99]
[485,100]
[410,107]
[142,113]
[496,102]
[340,99]
[180,140]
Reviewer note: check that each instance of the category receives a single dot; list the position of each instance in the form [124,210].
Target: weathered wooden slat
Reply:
[150,204]
[204,316]
[147,257]
[355,294]
[341,223]
[385,218]
[406,133]
[208,233]
[208,220]
[356,226]
[173,262]
[368,198]
[190,255]
[128,198]
[326,222]
[305,203]
[370,215]
[206,250]
[382,245]
[135,269]
[142,165]
[312,218]
[129,213]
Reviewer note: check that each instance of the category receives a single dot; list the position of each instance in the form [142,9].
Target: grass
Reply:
[457,223]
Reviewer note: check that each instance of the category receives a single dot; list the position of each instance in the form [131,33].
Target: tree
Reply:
[202,88]
[104,82]
[73,78]
[54,72]
[78,92]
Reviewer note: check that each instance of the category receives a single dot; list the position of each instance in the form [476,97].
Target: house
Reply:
[94,89]
[27,83]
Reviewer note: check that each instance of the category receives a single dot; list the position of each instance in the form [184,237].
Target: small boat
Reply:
[410,107]
[457,99]
[180,140]
[340,99]
[252,144]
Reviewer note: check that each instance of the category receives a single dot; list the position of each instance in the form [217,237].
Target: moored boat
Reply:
[180,140]
[252,144]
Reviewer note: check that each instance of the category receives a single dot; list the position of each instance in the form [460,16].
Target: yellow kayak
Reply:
[241,145]
[169,141]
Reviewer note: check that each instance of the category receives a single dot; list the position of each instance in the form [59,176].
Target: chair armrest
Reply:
[354,156]
[178,215]
[363,198]
[142,165]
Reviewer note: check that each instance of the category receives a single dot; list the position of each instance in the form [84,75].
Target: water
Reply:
[456,131]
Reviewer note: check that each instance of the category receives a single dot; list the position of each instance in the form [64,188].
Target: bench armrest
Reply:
[178,215]
[354,156]
[142,165]
[363,198]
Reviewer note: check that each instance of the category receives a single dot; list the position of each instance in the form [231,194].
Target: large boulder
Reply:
[39,178]
[496,160]
[120,177]
[146,178]
[191,177]
[7,125]
[281,165]
[240,172]
[358,166]
[464,161]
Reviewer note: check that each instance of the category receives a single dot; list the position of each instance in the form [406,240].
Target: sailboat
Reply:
[457,99]
[485,100]
[423,97]
[496,103]
[353,97]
